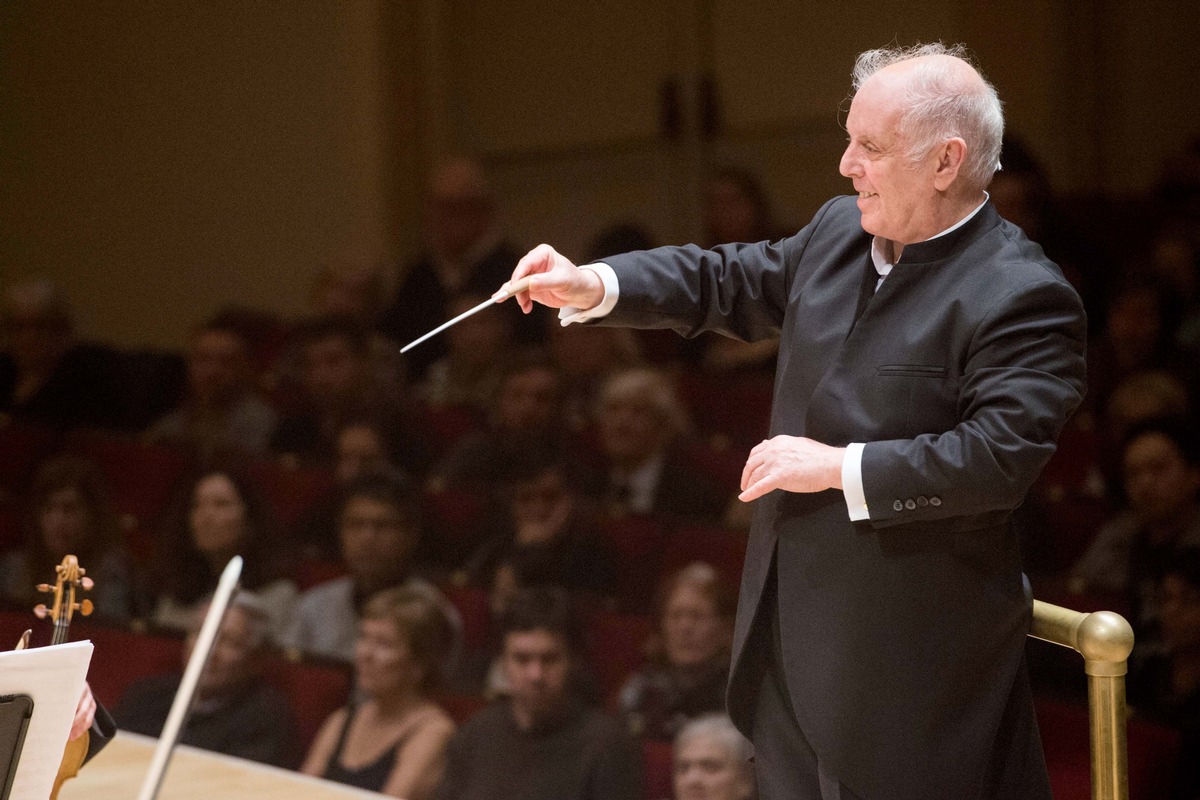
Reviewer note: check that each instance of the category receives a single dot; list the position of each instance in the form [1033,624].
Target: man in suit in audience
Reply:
[930,354]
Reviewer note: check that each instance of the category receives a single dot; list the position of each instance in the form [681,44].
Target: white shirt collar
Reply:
[880,249]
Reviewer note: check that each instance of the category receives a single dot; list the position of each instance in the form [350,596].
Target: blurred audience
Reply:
[218,513]
[221,410]
[235,710]
[469,374]
[393,739]
[465,253]
[689,666]
[641,424]
[1162,482]
[540,743]
[46,376]
[713,761]
[379,523]
[69,511]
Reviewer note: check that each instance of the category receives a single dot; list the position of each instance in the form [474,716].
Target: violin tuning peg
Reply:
[86,583]
[44,587]
[86,607]
[40,611]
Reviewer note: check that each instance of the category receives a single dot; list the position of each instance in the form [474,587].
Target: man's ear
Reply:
[950,159]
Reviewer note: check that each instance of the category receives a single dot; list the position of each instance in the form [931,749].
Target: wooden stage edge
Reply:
[118,771]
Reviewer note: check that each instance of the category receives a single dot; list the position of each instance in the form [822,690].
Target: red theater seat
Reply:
[141,476]
[291,490]
[639,543]
[314,689]
[722,548]
[658,770]
[616,646]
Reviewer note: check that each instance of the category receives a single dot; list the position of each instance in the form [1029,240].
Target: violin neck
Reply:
[60,632]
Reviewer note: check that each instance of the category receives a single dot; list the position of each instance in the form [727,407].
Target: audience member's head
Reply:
[736,208]
[1161,460]
[238,653]
[1137,330]
[334,361]
[478,341]
[543,500]
[540,639]
[37,324]
[220,369]
[69,511]
[379,525]
[460,208]
[712,761]
[1146,395]
[350,288]
[639,413]
[404,639]
[1179,612]
[530,395]
[695,617]
[362,447]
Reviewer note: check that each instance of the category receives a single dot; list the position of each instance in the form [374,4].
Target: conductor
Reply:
[930,354]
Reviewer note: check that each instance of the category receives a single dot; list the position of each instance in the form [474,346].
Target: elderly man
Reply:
[929,357]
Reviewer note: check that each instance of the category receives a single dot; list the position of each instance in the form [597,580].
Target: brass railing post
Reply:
[1105,640]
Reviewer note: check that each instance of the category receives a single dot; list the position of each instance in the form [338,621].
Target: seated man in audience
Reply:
[540,743]
[221,410]
[1161,464]
[235,711]
[641,422]
[712,761]
[379,525]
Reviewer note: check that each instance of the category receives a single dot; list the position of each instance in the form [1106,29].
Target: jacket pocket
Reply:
[911,370]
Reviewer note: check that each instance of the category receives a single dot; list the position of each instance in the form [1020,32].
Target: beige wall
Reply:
[162,162]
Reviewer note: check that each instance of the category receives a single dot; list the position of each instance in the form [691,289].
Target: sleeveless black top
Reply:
[371,777]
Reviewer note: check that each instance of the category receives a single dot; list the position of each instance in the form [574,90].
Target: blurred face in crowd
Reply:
[1160,483]
[536,664]
[218,367]
[632,428]
[235,657]
[332,370]
[706,770]
[377,541]
[541,507]
[383,661]
[1180,614]
[359,451]
[1135,323]
[529,399]
[65,521]
[218,515]
[693,632]
[350,291]
[729,214]
[459,209]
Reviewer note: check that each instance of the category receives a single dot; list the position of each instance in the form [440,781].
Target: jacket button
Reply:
[898,505]
[935,501]
[922,501]
[910,504]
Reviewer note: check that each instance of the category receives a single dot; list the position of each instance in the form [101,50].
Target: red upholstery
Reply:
[22,446]
[472,605]
[616,646]
[658,770]
[724,549]
[315,690]
[447,424]
[735,406]
[291,490]
[460,707]
[639,543]
[122,657]
[141,476]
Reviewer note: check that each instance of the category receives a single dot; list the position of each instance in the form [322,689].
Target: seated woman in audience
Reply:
[69,511]
[394,739]
[688,673]
[712,761]
[219,513]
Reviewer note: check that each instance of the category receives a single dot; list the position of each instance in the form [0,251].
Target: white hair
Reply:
[939,105]
[718,728]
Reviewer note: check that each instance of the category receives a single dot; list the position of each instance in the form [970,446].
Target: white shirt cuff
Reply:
[570,314]
[852,484]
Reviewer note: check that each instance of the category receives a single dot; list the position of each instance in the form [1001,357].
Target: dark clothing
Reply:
[373,776]
[101,733]
[658,701]
[256,723]
[902,634]
[83,392]
[422,303]
[582,756]
[682,492]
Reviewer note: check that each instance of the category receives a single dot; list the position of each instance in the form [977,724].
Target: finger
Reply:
[752,463]
[757,489]
[538,260]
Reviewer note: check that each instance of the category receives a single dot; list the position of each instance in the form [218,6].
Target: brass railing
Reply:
[1104,639]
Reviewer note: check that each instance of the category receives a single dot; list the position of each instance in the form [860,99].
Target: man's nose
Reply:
[848,166]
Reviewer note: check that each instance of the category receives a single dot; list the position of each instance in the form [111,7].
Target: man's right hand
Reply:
[556,281]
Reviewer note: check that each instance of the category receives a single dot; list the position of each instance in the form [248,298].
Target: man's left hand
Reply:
[793,464]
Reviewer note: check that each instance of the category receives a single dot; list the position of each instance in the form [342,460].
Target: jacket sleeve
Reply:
[1023,375]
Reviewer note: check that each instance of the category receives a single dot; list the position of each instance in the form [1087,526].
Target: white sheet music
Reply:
[53,677]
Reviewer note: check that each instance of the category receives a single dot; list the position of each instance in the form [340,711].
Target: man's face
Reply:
[332,371]
[1160,483]
[632,428]
[359,451]
[376,540]
[704,770]
[692,630]
[218,366]
[233,661]
[528,399]
[895,195]
[536,664]
[65,521]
